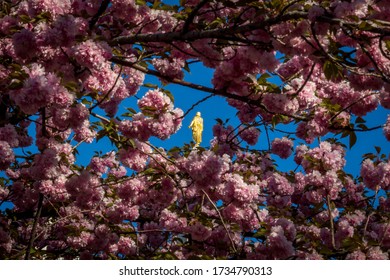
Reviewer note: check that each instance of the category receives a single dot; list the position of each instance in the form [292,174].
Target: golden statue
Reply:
[197,129]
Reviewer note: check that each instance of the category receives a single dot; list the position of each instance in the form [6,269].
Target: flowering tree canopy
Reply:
[66,67]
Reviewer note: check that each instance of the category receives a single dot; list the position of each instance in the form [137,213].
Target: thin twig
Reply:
[221,92]
[350,105]
[100,12]
[384,233]
[223,222]
[366,225]
[218,33]
[40,199]
[196,104]
[192,15]
[159,152]
[267,134]
[331,222]
[77,145]
[100,117]
[34,228]
[108,92]
[307,79]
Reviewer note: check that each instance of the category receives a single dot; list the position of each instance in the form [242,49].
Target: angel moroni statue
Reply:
[197,129]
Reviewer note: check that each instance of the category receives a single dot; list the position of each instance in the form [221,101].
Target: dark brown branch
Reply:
[357,129]
[350,105]
[40,199]
[383,30]
[192,15]
[288,6]
[196,104]
[34,228]
[103,7]
[331,222]
[222,93]
[375,63]
[181,82]
[222,221]
[221,33]
[306,80]
[381,48]
[268,140]
[108,92]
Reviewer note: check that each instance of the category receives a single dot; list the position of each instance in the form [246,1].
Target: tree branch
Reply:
[40,199]
[218,33]
[223,33]
[34,228]
[101,10]
[192,15]
[331,222]
[196,104]
[222,93]
[108,92]
[222,221]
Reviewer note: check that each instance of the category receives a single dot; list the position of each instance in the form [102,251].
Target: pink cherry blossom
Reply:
[170,68]
[86,99]
[7,155]
[386,128]
[135,157]
[281,248]
[250,135]
[198,231]
[282,147]
[155,102]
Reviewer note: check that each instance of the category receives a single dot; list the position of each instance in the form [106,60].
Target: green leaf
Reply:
[148,108]
[216,23]
[187,67]
[277,119]
[377,149]
[148,85]
[362,126]
[129,115]
[100,135]
[86,102]
[387,43]
[261,233]
[71,86]
[331,70]
[24,18]
[360,120]
[345,134]
[17,75]
[156,4]
[16,67]
[365,26]
[131,110]
[352,139]
[170,95]
[16,84]
[369,156]
[132,143]
[263,79]
[174,150]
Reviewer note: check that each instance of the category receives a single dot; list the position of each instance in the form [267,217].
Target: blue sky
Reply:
[217,107]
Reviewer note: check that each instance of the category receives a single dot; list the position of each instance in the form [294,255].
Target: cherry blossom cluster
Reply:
[157,118]
[67,69]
